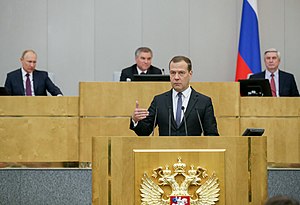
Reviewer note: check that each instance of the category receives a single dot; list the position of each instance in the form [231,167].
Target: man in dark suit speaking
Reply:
[179,112]
[29,81]
[283,84]
[143,59]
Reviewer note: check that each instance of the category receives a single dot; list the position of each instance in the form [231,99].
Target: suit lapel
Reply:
[20,82]
[170,108]
[192,102]
[35,81]
[134,69]
[281,81]
[169,102]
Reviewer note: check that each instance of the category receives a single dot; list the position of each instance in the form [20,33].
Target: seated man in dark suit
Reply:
[181,111]
[143,58]
[29,81]
[285,83]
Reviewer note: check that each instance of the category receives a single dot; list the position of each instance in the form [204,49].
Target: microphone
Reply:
[154,125]
[170,116]
[200,123]
[184,120]
[163,71]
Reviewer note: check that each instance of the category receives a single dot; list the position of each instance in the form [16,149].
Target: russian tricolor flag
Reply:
[248,60]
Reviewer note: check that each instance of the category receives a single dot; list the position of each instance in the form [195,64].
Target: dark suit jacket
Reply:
[130,71]
[41,83]
[287,83]
[161,109]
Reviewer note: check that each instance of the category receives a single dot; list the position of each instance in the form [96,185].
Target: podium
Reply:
[120,162]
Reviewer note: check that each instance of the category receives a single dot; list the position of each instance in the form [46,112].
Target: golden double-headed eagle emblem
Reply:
[195,184]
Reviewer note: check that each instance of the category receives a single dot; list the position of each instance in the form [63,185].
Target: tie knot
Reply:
[272,75]
[179,94]
[27,74]
[143,73]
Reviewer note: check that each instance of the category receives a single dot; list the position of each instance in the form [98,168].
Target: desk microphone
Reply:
[202,131]
[184,120]
[170,116]
[163,71]
[154,125]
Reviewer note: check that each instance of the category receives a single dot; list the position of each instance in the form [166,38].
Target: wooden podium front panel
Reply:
[145,161]
[39,139]
[39,106]
[283,137]
[113,166]
[257,165]
[100,126]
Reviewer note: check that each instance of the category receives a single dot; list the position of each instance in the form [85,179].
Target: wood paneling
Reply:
[39,129]
[280,119]
[118,99]
[270,107]
[114,165]
[39,106]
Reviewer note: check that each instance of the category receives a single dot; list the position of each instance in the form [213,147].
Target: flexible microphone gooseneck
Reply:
[170,115]
[184,120]
[199,119]
[155,116]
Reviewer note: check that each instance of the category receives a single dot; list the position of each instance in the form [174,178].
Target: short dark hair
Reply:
[178,59]
[142,50]
[281,200]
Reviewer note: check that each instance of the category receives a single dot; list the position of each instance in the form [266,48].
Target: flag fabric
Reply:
[248,59]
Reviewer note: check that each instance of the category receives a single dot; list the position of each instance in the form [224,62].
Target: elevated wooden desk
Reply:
[39,129]
[280,117]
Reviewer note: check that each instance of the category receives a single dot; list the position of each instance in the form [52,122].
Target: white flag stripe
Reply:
[253,4]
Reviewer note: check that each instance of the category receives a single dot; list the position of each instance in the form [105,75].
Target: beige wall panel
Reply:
[39,139]
[283,137]
[118,99]
[121,176]
[268,106]
[145,161]
[39,106]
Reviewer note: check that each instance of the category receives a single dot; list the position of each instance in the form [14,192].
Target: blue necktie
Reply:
[179,110]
